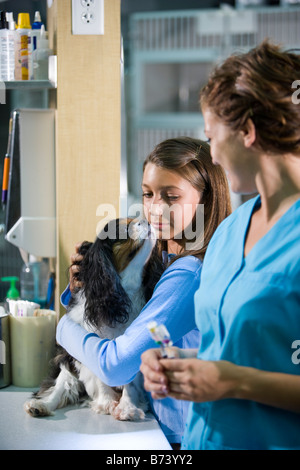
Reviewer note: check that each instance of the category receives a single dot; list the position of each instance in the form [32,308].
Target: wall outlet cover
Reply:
[87,17]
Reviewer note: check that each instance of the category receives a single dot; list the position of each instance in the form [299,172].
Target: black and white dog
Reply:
[118,273]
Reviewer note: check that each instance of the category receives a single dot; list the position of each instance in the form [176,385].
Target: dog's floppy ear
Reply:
[106,301]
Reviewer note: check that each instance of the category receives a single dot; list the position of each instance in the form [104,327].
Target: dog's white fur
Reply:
[105,399]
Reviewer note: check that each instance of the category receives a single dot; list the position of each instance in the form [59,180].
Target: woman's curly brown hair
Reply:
[258,85]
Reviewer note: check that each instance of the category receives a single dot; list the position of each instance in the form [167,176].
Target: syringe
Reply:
[162,337]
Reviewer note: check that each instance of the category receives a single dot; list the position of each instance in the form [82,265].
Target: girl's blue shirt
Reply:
[116,362]
[248,312]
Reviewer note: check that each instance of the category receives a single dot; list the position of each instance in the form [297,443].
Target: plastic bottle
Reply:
[10,20]
[11,39]
[6,50]
[33,36]
[34,281]
[3,45]
[40,56]
[21,47]
[37,23]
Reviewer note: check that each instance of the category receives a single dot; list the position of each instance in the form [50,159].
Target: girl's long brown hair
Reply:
[191,159]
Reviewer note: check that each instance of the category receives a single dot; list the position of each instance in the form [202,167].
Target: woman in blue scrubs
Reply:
[244,381]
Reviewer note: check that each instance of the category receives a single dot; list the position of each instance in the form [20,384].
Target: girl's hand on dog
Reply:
[74,269]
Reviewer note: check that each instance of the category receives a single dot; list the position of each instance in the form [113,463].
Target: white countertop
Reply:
[72,428]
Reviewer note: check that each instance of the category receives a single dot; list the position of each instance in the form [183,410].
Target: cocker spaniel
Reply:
[118,273]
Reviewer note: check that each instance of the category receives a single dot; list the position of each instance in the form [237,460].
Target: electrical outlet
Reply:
[87,16]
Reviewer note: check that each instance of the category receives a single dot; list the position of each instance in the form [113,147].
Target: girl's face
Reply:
[170,202]
[228,149]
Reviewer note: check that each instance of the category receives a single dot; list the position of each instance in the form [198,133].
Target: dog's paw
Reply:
[37,408]
[106,408]
[131,413]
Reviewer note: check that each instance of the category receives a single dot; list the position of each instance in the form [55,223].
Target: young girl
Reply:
[178,176]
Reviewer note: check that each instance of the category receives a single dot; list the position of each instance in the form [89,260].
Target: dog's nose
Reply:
[142,224]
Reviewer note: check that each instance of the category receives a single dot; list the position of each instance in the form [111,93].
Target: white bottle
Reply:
[21,47]
[40,56]
[6,50]
[11,39]
[33,36]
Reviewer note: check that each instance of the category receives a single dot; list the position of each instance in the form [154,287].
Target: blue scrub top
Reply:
[248,312]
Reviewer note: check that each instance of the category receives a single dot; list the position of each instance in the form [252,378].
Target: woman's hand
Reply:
[155,379]
[74,269]
[200,381]
[188,379]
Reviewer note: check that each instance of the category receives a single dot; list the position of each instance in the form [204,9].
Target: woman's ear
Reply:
[249,133]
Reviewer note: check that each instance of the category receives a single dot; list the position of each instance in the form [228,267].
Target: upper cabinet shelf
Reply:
[29,85]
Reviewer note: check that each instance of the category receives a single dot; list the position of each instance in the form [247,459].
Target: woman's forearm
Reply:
[201,381]
[269,388]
